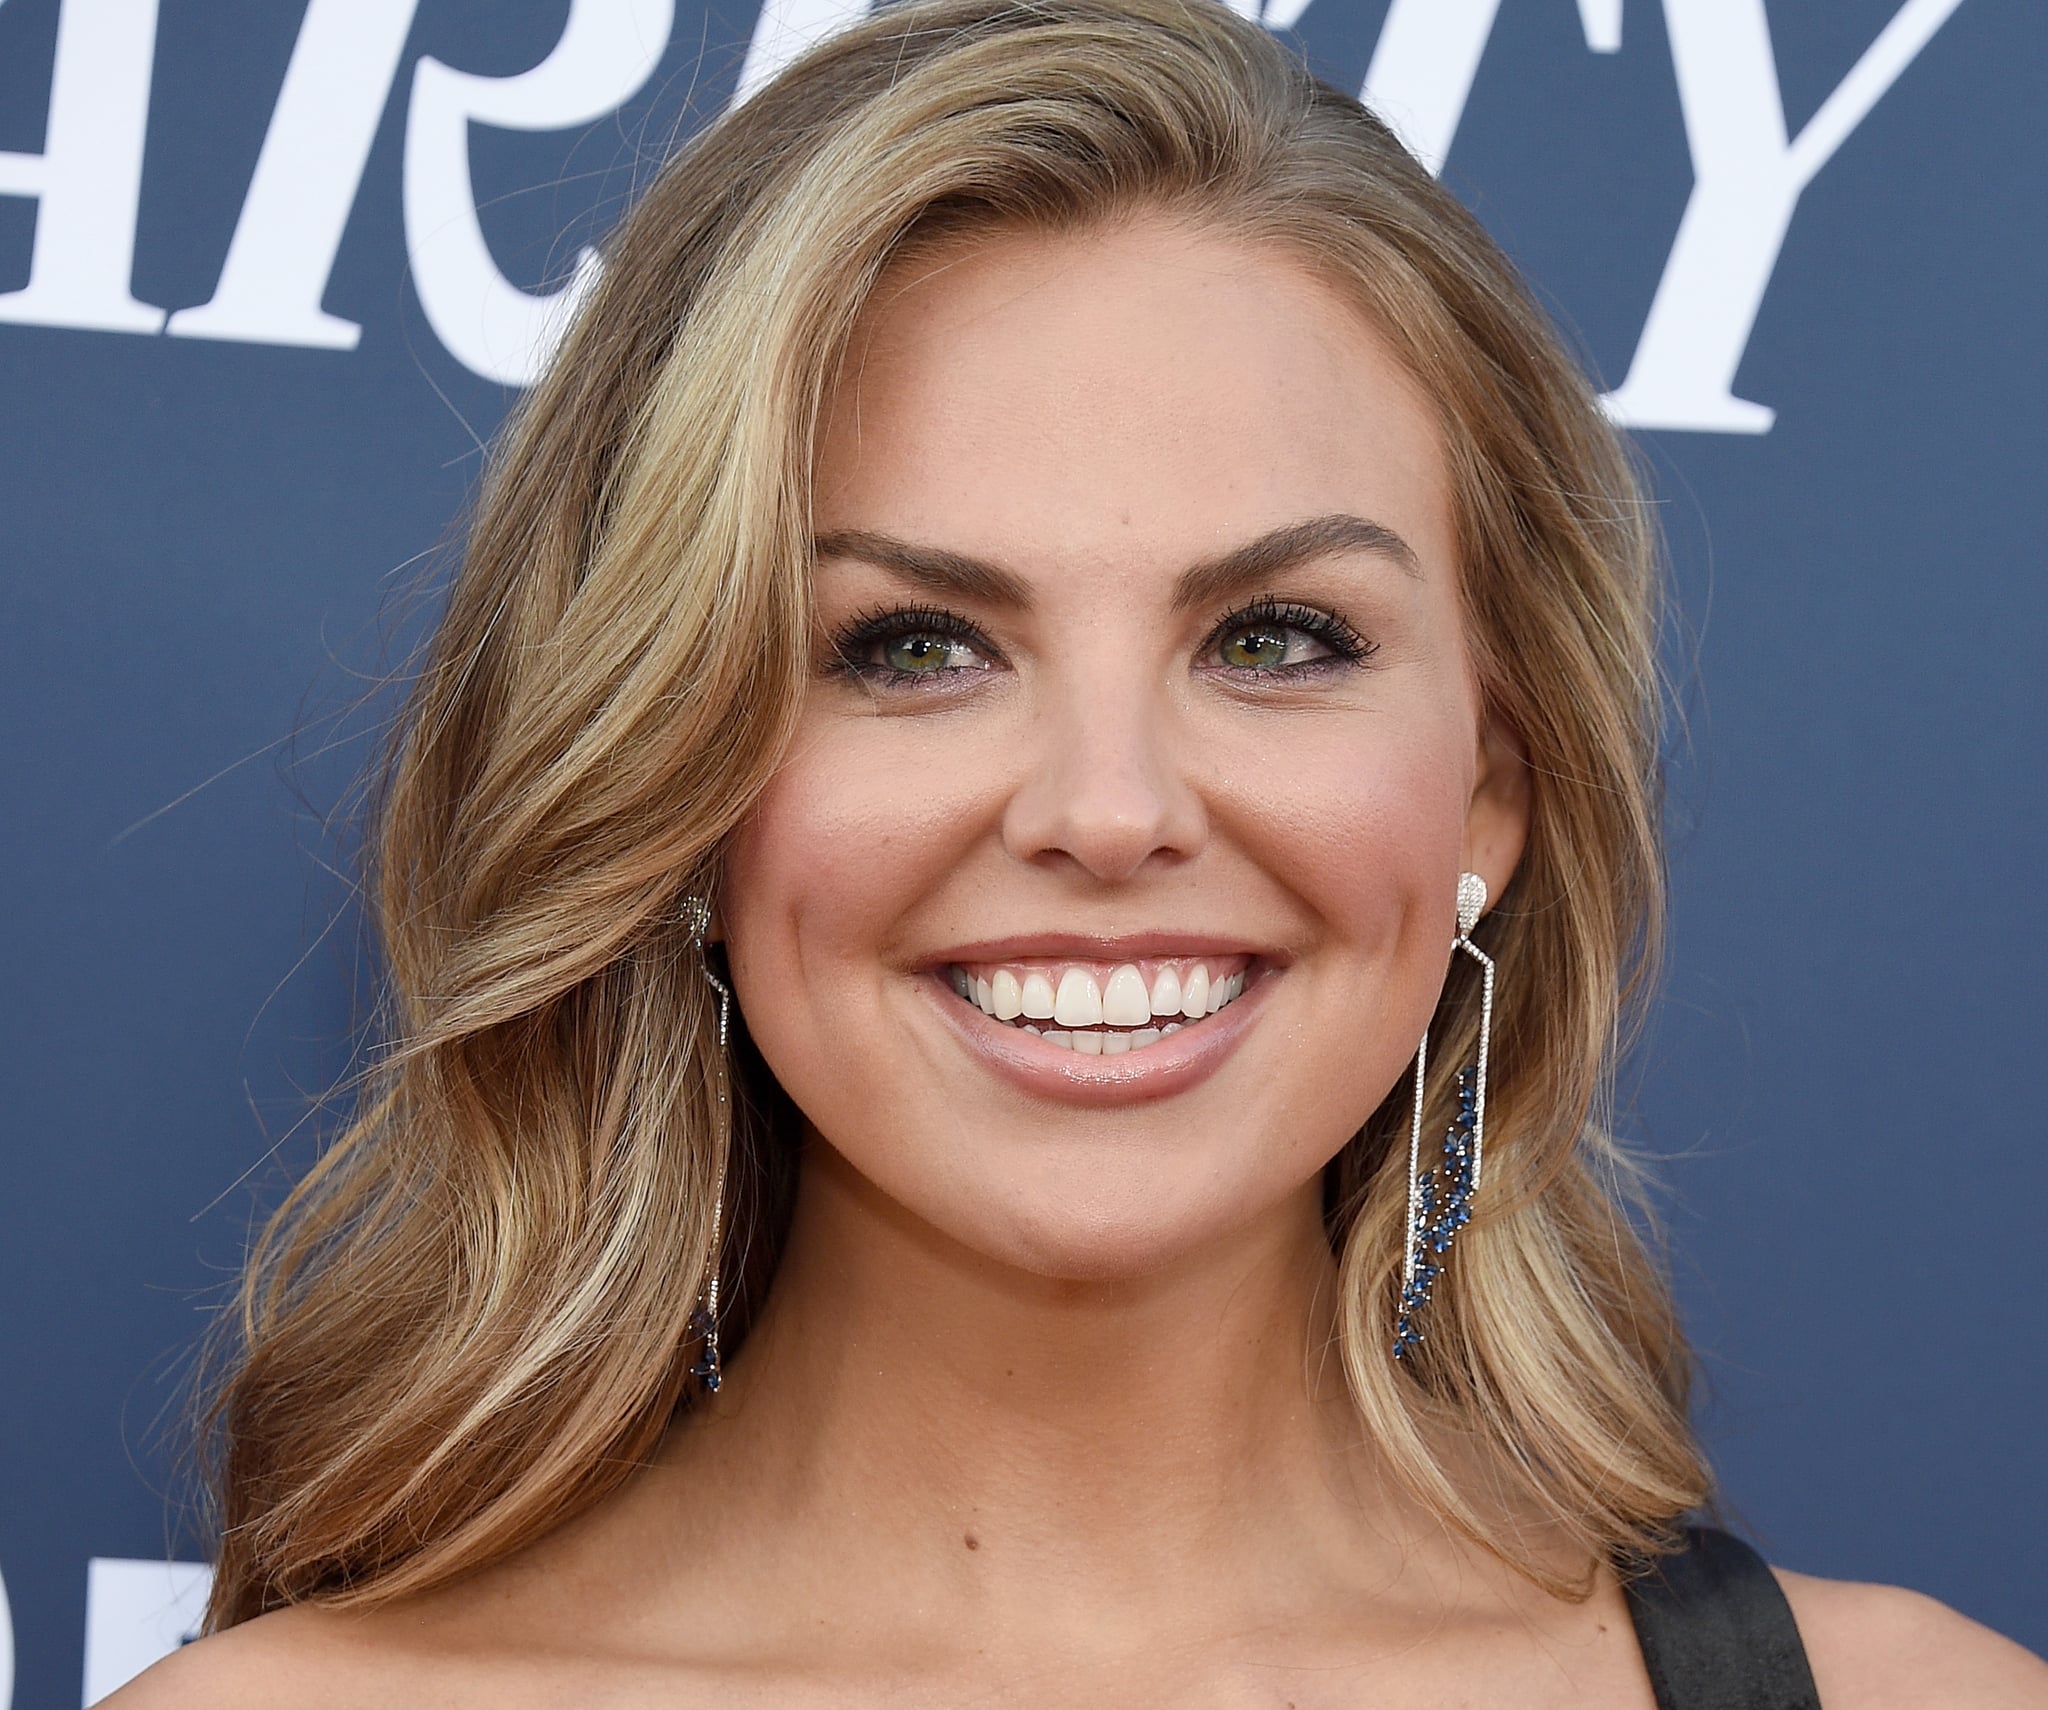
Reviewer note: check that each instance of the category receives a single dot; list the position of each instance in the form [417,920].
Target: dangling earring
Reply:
[1438,1209]
[704,1319]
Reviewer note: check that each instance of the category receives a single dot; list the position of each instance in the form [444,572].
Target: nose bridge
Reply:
[1105,784]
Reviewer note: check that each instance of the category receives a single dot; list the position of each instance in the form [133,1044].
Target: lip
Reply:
[1173,1065]
[1086,947]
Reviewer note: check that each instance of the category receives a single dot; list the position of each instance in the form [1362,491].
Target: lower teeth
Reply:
[1103,1043]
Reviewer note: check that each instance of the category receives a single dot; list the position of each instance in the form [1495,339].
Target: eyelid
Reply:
[1326,625]
[877,623]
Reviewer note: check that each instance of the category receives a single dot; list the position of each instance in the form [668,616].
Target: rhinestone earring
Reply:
[1438,1207]
[703,1327]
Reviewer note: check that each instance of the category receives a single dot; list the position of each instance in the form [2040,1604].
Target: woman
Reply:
[1009,894]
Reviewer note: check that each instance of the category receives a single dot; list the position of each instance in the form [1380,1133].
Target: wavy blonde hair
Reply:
[468,1322]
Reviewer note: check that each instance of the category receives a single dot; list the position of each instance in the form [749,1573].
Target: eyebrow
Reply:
[931,568]
[1285,548]
[942,572]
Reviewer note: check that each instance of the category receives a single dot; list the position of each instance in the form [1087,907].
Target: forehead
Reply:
[1143,392]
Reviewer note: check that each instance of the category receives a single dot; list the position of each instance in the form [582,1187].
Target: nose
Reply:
[1105,790]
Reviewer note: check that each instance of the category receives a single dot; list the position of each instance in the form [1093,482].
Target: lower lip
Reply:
[1171,1065]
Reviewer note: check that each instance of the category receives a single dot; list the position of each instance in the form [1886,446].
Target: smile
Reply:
[1101,1009]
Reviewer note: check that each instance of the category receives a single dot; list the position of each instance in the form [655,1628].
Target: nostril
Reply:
[1108,807]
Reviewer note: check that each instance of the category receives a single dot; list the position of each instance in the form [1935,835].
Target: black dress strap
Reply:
[1716,1631]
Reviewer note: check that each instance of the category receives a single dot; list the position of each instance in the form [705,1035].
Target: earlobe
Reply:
[1497,819]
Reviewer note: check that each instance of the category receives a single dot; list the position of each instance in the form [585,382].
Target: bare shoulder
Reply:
[1877,1647]
[292,1658]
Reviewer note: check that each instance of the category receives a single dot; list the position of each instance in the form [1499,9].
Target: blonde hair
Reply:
[467,1323]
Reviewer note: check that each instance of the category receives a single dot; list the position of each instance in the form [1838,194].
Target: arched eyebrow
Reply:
[931,568]
[937,570]
[1245,567]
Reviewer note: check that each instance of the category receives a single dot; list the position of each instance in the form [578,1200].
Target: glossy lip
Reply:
[1082,947]
[1173,1065]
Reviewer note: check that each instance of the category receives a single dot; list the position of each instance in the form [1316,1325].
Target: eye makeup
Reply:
[922,646]
[908,646]
[1267,635]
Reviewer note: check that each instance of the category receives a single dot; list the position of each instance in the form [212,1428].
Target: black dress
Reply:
[1716,1632]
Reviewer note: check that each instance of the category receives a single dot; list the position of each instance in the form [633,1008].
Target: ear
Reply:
[1497,820]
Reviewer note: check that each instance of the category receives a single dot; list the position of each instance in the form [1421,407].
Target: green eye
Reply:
[1284,640]
[1267,644]
[1255,647]
[902,646]
[918,653]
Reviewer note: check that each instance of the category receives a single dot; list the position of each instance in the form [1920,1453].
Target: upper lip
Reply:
[1104,947]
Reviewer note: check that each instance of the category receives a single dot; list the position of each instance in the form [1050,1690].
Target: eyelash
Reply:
[853,639]
[1346,645]
[848,644]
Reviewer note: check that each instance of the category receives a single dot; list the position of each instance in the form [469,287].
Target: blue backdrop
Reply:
[269,272]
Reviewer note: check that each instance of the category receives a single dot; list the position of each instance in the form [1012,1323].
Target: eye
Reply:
[1268,647]
[917,653]
[1271,637]
[907,645]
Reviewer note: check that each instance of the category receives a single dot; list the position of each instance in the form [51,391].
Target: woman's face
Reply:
[1142,717]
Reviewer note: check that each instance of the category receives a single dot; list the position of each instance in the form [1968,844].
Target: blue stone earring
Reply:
[703,1327]
[1440,1205]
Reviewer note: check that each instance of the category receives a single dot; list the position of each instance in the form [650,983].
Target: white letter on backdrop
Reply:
[1426,57]
[785,29]
[1601,21]
[1422,69]
[609,48]
[1746,182]
[326,116]
[136,1614]
[6,1649]
[88,179]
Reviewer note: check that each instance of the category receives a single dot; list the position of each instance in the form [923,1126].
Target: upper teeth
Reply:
[1074,997]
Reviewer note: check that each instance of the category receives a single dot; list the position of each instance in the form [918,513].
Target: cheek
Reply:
[847,839]
[1362,819]
[1363,826]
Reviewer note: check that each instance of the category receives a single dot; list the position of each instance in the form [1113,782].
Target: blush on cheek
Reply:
[866,819]
[839,849]
[1368,840]
[1365,835]
[824,880]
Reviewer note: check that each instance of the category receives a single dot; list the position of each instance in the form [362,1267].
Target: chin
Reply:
[1114,1233]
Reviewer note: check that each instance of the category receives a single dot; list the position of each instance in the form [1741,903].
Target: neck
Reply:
[1126,1424]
